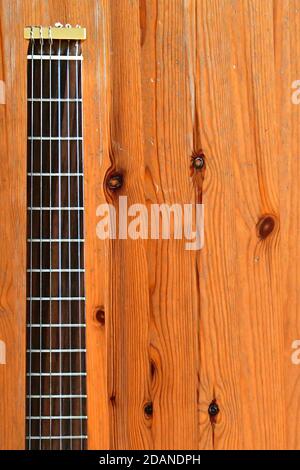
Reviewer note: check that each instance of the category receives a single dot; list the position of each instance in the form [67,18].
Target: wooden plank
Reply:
[170,137]
[128,304]
[96,89]
[12,230]
[13,192]
[242,317]
[287,72]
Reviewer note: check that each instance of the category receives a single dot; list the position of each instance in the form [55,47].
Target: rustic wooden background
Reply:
[162,79]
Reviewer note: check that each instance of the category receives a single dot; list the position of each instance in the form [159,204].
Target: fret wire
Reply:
[55,396]
[55,209]
[44,270]
[54,350]
[54,240]
[59,139]
[57,417]
[58,437]
[54,174]
[59,58]
[54,100]
[57,325]
[57,374]
[56,298]
[46,397]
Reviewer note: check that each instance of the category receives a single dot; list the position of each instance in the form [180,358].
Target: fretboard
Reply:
[56,371]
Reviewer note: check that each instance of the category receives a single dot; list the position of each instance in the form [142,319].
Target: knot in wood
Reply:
[115,181]
[265,226]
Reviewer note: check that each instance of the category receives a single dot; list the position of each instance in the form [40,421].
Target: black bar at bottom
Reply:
[137,459]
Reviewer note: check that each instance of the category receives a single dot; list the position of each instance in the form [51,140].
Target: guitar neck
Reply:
[56,370]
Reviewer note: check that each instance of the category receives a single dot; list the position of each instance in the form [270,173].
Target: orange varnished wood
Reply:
[13,135]
[170,137]
[14,16]
[164,79]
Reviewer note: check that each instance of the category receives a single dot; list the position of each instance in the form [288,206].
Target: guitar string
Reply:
[31,254]
[69,243]
[41,236]
[50,238]
[59,245]
[79,247]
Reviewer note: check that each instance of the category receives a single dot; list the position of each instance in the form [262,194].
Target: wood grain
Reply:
[169,140]
[12,233]
[240,295]
[288,66]
[14,16]
[178,329]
